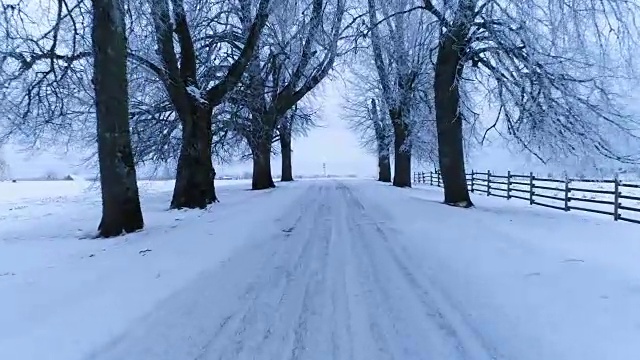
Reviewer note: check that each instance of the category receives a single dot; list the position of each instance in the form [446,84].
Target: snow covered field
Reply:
[333,269]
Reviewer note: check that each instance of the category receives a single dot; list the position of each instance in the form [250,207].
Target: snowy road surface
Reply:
[329,285]
[347,270]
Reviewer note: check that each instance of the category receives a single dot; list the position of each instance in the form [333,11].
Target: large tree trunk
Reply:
[285,150]
[261,154]
[449,122]
[194,187]
[402,151]
[384,167]
[121,211]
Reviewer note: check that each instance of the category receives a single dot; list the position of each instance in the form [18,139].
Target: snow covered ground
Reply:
[333,269]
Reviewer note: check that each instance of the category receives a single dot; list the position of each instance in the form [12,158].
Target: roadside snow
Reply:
[63,295]
[541,283]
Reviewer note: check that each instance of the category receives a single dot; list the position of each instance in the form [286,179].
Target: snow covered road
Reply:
[358,270]
[330,285]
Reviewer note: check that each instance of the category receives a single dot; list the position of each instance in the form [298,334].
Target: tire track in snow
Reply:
[455,337]
[286,297]
[342,337]
[205,319]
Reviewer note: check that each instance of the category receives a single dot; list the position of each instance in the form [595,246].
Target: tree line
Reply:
[200,81]
[160,80]
[551,77]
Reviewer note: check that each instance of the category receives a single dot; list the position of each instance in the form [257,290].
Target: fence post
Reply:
[422,178]
[438,172]
[616,199]
[509,185]
[473,179]
[488,182]
[531,177]
[431,178]
[566,193]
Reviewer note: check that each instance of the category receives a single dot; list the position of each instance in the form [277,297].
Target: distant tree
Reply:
[51,175]
[391,73]
[367,116]
[121,211]
[298,121]
[285,134]
[400,47]
[381,132]
[297,52]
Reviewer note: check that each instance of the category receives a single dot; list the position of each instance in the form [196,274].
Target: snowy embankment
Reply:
[63,293]
[316,270]
[541,283]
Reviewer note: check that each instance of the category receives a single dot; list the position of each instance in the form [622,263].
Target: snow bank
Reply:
[53,278]
[537,283]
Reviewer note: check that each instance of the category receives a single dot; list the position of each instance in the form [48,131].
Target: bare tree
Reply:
[297,53]
[297,121]
[192,102]
[400,59]
[367,116]
[381,132]
[548,68]
[285,134]
[120,202]
[175,91]
[45,81]
[374,126]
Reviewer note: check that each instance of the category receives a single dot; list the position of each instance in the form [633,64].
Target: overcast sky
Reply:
[332,144]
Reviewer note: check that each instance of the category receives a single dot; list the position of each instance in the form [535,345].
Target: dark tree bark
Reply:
[121,211]
[194,187]
[402,151]
[285,151]
[384,167]
[449,120]
[261,155]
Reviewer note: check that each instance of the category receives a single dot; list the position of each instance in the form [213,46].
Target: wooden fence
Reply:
[606,197]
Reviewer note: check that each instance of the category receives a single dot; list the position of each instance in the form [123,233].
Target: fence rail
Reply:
[560,194]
